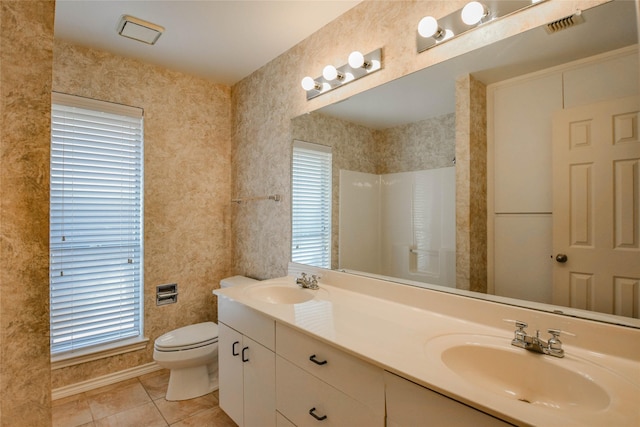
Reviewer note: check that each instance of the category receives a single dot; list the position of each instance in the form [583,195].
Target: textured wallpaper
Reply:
[25,79]
[187,198]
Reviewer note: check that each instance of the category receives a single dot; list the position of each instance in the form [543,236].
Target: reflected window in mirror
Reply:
[311,204]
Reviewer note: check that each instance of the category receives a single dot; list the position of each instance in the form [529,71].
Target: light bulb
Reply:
[428,27]
[356,59]
[308,84]
[473,12]
[331,73]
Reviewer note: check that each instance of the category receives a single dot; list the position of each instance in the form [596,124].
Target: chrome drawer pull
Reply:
[316,361]
[312,413]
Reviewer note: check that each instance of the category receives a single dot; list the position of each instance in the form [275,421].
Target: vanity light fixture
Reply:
[428,27]
[358,66]
[432,31]
[138,29]
[356,60]
[309,84]
[331,73]
[473,12]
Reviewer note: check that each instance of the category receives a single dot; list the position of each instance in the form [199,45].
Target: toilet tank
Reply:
[235,280]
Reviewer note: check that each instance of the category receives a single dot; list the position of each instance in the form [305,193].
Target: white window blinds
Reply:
[311,204]
[95,223]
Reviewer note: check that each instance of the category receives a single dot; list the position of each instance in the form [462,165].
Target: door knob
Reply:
[561,258]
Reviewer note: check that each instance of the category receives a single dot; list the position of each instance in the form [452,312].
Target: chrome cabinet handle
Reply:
[312,412]
[233,349]
[316,361]
[245,359]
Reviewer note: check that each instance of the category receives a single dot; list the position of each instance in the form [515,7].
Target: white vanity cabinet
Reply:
[246,364]
[319,385]
[409,404]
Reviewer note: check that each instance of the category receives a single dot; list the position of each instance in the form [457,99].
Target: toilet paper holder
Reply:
[167,294]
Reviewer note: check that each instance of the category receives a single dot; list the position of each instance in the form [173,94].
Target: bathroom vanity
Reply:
[363,351]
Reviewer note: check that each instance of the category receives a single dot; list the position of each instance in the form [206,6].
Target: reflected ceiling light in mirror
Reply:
[473,12]
[432,31]
[358,66]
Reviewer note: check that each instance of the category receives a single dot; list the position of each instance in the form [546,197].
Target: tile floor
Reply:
[138,402]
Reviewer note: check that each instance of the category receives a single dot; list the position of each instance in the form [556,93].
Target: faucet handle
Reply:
[554,345]
[519,335]
[521,325]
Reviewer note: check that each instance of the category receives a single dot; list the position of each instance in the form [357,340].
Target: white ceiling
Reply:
[223,41]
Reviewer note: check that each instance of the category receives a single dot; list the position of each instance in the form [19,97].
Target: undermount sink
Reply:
[281,292]
[567,384]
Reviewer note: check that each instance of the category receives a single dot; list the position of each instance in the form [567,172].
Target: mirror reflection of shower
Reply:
[399,224]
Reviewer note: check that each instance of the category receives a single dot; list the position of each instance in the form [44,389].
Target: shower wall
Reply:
[399,224]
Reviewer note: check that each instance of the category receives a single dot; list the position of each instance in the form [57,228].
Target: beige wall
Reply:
[422,145]
[265,102]
[26,43]
[187,156]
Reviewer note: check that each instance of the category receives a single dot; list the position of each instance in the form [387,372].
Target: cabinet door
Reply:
[230,372]
[409,404]
[259,384]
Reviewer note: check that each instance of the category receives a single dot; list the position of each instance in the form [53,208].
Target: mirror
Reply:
[419,110]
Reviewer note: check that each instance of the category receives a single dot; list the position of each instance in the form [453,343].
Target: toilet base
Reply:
[189,383]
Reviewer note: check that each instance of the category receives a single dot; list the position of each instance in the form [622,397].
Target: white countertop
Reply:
[395,336]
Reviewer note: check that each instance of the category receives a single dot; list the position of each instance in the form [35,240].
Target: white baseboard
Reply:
[104,380]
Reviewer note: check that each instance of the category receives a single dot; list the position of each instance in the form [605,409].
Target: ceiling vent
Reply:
[564,23]
[140,30]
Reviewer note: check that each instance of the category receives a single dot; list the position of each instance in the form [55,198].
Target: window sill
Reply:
[99,352]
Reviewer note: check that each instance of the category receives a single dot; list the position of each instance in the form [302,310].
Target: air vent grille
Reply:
[564,23]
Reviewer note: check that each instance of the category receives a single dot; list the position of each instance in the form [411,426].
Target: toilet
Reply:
[191,355]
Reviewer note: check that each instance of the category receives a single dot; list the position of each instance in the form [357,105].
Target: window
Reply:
[311,204]
[95,265]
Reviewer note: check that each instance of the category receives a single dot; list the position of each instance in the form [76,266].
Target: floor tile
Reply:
[214,417]
[71,412]
[111,400]
[146,415]
[178,410]
[156,383]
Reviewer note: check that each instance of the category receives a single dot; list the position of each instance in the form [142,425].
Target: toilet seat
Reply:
[188,337]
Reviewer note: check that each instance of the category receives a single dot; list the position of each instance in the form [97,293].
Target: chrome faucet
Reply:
[552,347]
[308,282]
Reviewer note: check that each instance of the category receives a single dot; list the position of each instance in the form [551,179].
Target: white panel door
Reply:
[596,209]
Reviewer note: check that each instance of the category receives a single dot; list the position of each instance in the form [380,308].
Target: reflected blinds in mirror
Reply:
[311,204]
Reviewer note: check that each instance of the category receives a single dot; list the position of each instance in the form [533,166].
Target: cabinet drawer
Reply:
[358,379]
[298,392]
[409,404]
[247,321]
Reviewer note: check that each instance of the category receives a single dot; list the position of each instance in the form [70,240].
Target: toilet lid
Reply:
[188,337]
